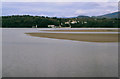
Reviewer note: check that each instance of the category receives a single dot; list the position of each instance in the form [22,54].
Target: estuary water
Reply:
[27,56]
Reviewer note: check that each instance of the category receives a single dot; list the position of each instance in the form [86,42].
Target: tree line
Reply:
[27,21]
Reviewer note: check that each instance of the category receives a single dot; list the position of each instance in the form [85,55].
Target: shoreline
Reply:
[87,30]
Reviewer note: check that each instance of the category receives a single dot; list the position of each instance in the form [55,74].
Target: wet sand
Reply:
[79,37]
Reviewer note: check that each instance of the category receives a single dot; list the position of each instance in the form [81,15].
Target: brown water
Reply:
[27,56]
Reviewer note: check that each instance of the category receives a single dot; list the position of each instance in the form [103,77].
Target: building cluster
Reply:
[68,22]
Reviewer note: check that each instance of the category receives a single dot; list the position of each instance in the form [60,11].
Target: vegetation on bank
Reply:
[27,21]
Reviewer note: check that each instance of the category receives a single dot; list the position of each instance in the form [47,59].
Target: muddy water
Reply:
[27,56]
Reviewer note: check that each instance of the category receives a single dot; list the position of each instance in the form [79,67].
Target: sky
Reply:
[59,0]
[58,9]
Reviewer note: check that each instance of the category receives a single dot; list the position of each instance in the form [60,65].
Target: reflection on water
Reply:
[26,56]
[0,52]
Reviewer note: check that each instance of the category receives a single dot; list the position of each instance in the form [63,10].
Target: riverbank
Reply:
[99,30]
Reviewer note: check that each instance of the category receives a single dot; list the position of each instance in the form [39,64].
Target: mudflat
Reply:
[79,37]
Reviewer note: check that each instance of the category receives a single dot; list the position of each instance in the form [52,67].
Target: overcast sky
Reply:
[59,9]
[59,0]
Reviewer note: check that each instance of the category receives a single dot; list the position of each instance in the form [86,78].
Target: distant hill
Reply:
[110,15]
[82,16]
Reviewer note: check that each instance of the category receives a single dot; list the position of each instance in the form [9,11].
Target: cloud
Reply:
[60,9]
[82,12]
[100,9]
[60,0]
[94,12]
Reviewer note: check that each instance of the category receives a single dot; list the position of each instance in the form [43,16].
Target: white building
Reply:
[85,22]
[73,22]
[66,22]
[51,26]
[34,26]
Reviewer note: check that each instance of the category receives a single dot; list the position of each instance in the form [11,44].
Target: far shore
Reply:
[98,30]
[79,37]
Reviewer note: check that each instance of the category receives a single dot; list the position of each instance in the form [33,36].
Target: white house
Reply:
[34,26]
[85,22]
[51,26]
[66,22]
[73,22]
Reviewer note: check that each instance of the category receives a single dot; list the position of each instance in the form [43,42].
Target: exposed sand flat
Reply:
[99,30]
[79,37]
